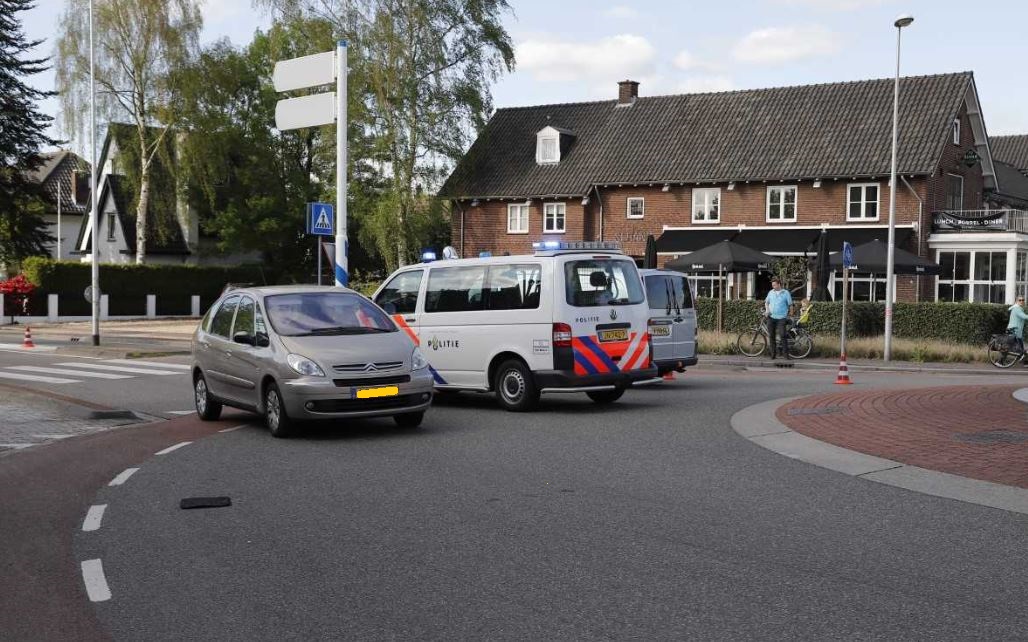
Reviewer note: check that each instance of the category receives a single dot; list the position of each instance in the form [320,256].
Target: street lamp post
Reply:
[94,236]
[890,276]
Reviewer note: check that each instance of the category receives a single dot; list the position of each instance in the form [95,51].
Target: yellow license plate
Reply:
[614,335]
[660,330]
[371,393]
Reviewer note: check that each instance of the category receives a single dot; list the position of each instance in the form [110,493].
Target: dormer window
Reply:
[550,144]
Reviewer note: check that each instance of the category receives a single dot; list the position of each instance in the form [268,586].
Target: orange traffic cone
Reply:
[844,372]
[27,342]
[669,375]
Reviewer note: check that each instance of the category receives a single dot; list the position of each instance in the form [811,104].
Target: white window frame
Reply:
[524,210]
[705,193]
[948,177]
[863,202]
[112,234]
[956,131]
[628,207]
[781,204]
[564,217]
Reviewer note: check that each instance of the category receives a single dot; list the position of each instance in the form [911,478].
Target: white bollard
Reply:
[51,308]
[105,306]
[151,306]
[194,304]
[1,309]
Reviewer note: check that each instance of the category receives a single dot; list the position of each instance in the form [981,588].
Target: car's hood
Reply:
[352,349]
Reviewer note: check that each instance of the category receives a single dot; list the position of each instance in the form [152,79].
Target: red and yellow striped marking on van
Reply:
[398,318]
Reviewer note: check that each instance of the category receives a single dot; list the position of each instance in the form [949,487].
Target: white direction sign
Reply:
[306,111]
[308,71]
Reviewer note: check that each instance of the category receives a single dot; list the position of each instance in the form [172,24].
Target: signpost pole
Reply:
[845,299]
[319,259]
[342,275]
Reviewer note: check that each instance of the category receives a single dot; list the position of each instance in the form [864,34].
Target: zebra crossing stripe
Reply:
[97,366]
[18,376]
[66,371]
[149,364]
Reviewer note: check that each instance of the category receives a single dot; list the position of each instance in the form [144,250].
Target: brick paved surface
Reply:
[974,431]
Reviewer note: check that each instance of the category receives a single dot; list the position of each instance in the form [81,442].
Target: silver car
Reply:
[306,352]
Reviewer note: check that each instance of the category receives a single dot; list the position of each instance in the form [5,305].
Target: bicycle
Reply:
[754,342]
[1005,350]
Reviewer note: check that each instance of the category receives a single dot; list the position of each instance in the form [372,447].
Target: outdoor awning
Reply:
[784,240]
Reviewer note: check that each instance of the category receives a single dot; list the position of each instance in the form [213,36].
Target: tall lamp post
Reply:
[94,235]
[890,286]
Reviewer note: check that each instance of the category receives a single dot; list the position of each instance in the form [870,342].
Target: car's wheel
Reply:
[206,407]
[515,387]
[409,419]
[275,417]
[606,396]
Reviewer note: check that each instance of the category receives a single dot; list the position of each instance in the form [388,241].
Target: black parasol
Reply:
[873,256]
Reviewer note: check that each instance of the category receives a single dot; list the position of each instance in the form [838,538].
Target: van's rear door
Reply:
[660,295]
[683,323]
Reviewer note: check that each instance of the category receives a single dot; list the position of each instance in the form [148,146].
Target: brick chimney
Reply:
[628,91]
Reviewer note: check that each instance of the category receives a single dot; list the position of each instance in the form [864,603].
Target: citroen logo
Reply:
[370,367]
[613,314]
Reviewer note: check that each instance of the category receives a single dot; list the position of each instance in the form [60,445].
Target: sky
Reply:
[577,50]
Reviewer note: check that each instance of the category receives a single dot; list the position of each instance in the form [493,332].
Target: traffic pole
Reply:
[342,267]
[844,372]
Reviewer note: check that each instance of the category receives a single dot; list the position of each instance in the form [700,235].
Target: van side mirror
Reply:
[388,307]
[245,338]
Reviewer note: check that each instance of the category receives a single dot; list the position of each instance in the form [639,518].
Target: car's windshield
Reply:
[325,313]
[601,281]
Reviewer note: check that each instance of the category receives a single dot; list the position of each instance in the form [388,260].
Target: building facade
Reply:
[767,168]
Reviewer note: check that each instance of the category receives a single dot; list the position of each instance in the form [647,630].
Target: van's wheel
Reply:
[206,407]
[515,387]
[409,419]
[275,417]
[606,396]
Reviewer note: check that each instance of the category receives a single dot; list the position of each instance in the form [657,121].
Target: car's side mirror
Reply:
[262,340]
[244,337]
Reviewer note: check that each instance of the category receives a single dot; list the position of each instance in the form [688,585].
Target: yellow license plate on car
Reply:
[371,393]
[660,331]
[614,335]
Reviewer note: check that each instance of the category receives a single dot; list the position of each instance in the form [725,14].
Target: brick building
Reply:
[769,168]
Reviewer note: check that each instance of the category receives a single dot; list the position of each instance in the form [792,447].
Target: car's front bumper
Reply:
[567,381]
[321,398]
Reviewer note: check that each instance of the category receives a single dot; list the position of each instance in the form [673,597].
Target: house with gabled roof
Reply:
[66,196]
[769,168]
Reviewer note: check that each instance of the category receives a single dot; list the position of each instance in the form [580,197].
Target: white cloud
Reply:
[836,5]
[613,58]
[621,12]
[686,61]
[706,84]
[775,45]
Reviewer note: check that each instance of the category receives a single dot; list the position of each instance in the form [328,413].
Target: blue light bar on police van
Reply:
[427,256]
[484,254]
[541,246]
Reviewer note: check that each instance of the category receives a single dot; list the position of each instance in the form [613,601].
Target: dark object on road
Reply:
[204,502]
[821,269]
[872,257]
[650,258]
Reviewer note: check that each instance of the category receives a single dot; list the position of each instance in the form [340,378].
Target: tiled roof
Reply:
[1011,149]
[813,131]
[57,172]
[1012,183]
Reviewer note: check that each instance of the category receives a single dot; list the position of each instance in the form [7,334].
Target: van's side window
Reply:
[455,289]
[400,296]
[683,293]
[657,290]
[513,287]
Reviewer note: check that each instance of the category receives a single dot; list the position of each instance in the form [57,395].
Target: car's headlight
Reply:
[418,360]
[303,365]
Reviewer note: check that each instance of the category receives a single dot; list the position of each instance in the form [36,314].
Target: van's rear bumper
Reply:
[668,365]
[568,381]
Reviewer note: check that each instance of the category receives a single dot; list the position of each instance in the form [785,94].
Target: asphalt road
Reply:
[648,519]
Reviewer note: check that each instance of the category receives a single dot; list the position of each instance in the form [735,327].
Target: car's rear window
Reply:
[325,313]
[602,281]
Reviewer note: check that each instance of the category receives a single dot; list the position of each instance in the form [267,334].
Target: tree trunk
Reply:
[141,215]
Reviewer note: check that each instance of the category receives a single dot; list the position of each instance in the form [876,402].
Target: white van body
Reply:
[672,319]
[471,316]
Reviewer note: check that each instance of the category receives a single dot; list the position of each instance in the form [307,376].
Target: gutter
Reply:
[599,201]
[460,209]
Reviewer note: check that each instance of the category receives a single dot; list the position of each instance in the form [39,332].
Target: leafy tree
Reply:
[23,231]
[140,45]
[428,66]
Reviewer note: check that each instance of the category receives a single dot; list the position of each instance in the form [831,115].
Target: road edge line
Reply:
[95,580]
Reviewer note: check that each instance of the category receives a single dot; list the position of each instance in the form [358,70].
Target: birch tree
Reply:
[139,45]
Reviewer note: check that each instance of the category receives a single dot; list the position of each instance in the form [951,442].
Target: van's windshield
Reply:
[597,282]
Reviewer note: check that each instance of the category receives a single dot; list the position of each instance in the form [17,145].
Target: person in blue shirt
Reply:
[776,308]
[1016,323]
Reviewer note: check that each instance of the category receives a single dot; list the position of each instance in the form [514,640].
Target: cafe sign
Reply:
[942,221]
[971,157]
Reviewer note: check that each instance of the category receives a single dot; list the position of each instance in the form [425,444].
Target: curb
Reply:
[815,365]
[759,425]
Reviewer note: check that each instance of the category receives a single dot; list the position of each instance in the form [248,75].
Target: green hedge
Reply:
[128,285]
[956,322]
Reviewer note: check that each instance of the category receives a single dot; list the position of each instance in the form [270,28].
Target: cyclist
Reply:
[776,308]
[1015,325]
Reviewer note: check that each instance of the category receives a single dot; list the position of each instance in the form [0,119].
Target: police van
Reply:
[570,318]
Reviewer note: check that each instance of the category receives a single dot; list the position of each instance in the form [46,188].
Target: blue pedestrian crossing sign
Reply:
[847,256]
[321,219]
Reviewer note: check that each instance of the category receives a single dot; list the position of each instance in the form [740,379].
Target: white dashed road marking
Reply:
[155,364]
[18,376]
[96,583]
[66,371]
[235,428]
[179,412]
[172,448]
[97,366]
[16,446]
[123,477]
[94,516]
